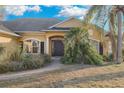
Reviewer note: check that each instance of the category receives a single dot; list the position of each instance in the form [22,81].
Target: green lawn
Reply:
[74,76]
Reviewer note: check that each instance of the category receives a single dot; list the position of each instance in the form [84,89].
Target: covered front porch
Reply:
[50,43]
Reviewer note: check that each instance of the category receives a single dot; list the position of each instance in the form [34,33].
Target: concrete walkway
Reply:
[55,65]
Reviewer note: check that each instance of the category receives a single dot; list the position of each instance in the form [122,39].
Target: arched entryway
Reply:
[56,45]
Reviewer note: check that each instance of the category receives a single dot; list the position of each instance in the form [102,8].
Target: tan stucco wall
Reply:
[107,46]
[4,38]
[77,23]
[32,35]
[71,23]
[96,35]
[46,35]
[52,34]
[41,36]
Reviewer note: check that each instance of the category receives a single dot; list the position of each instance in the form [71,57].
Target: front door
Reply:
[57,48]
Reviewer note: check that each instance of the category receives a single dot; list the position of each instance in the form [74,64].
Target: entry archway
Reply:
[56,45]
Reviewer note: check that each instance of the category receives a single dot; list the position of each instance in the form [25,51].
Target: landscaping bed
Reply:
[27,62]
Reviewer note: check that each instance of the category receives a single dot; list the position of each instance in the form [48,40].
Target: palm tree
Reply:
[102,15]
[2,12]
[120,9]
[77,48]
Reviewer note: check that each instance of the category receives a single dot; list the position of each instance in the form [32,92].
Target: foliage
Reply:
[16,54]
[14,60]
[107,58]
[28,61]
[35,60]
[107,15]
[11,52]
[1,49]
[123,54]
[78,49]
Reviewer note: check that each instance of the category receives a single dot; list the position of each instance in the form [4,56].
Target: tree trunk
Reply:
[119,40]
[113,46]
[112,38]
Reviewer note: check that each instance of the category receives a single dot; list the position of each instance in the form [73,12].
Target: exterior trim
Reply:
[32,39]
[36,40]
[61,22]
[57,30]
[13,34]
[94,39]
[29,32]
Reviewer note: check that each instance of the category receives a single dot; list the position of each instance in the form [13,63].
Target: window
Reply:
[95,44]
[42,47]
[109,47]
[32,46]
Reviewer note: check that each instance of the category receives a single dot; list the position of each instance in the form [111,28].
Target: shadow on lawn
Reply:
[99,77]
[83,66]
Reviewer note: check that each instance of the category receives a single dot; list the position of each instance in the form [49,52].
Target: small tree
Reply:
[78,48]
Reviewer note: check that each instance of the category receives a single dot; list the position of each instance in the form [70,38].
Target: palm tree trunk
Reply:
[113,46]
[119,40]
[112,38]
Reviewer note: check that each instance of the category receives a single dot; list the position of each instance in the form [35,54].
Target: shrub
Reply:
[28,61]
[1,49]
[12,59]
[35,61]
[12,52]
[14,66]
[78,48]
[108,58]
[16,55]
[123,54]
[4,68]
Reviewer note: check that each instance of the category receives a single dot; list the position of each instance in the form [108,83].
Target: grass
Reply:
[12,59]
[74,76]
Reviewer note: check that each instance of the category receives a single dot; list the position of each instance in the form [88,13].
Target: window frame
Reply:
[98,44]
[31,47]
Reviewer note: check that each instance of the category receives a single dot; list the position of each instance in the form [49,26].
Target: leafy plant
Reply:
[78,49]
[1,49]
[14,60]
[28,61]
[107,58]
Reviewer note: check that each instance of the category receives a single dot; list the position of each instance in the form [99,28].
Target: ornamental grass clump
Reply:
[13,59]
[78,49]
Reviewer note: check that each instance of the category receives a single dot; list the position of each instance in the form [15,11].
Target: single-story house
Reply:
[46,35]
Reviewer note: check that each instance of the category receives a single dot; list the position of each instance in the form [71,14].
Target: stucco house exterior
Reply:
[46,35]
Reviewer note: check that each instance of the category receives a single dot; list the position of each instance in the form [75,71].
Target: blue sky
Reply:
[40,11]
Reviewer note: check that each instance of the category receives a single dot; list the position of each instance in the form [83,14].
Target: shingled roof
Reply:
[30,24]
[5,30]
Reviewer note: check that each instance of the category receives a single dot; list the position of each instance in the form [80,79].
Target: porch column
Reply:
[47,45]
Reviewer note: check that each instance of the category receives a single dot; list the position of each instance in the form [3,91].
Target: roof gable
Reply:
[69,23]
[5,30]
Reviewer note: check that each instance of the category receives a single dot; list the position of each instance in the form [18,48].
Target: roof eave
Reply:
[56,30]
[13,34]
[29,31]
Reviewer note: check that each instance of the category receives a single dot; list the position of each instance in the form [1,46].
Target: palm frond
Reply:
[92,11]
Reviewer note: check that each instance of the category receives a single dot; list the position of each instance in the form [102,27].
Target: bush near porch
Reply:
[12,59]
[78,48]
